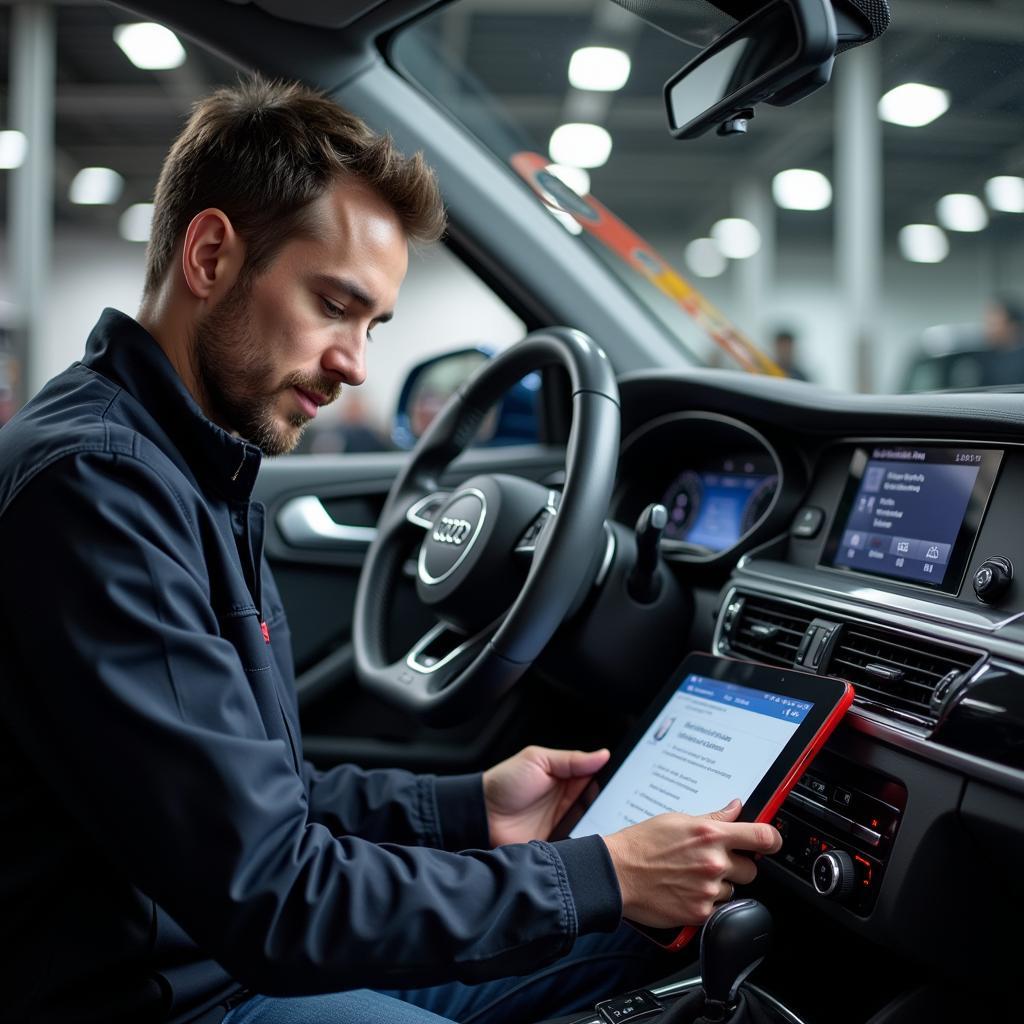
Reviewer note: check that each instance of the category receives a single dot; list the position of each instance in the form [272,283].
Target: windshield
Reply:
[867,238]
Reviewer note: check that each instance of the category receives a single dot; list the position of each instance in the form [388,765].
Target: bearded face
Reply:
[243,388]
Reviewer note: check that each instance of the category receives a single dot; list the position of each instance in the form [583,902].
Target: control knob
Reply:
[993,578]
[834,874]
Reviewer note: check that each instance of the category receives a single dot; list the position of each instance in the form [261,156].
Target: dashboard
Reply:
[875,539]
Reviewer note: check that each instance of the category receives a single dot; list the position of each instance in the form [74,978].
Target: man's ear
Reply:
[212,255]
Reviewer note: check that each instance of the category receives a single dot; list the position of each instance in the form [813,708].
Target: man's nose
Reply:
[346,359]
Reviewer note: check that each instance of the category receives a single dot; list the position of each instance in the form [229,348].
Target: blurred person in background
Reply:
[350,432]
[784,353]
[1003,337]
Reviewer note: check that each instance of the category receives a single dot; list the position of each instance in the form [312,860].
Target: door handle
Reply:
[305,523]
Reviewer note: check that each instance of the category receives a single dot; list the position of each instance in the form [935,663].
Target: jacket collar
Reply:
[125,352]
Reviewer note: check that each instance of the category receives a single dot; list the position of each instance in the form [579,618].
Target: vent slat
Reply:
[787,624]
[923,663]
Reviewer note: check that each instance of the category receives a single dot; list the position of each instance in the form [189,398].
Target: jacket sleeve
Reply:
[446,812]
[140,717]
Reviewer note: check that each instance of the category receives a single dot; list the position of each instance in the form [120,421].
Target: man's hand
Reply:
[674,868]
[527,794]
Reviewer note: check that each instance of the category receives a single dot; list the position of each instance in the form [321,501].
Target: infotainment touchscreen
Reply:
[912,512]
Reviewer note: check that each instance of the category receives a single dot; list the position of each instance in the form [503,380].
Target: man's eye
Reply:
[333,311]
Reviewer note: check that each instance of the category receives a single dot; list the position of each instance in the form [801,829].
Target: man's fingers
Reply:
[756,837]
[569,764]
[742,870]
[730,812]
[726,892]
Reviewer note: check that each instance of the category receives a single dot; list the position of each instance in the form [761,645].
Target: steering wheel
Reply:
[502,559]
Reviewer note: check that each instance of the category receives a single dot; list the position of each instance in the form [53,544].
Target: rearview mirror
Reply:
[780,53]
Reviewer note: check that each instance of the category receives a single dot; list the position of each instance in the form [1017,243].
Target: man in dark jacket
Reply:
[168,851]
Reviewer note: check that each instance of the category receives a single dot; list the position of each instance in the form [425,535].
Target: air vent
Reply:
[897,670]
[767,630]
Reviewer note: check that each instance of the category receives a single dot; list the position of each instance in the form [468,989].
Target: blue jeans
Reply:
[599,966]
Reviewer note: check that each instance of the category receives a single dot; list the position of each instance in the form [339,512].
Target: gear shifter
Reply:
[736,938]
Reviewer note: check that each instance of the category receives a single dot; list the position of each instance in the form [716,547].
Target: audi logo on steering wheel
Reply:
[452,531]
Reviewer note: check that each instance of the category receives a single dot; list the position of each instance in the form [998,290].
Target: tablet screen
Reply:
[712,741]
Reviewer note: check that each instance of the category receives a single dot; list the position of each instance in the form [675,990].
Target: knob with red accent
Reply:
[833,874]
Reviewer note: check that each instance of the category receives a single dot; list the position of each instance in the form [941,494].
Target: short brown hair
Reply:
[262,152]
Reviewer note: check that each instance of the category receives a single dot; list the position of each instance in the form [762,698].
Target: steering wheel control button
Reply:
[992,579]
[807,522]
[834,874]
[631,1006]
[528,542]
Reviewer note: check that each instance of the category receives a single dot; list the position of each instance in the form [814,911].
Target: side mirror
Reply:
[432,382]
[782,52]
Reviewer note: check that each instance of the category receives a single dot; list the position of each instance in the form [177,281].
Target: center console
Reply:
[898,574]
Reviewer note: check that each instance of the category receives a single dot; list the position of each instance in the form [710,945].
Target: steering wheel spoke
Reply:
[438,651]
[424,511]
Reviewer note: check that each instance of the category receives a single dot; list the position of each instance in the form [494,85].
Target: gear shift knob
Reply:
[735,940]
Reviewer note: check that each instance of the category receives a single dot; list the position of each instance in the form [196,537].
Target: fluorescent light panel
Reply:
[1005,193]
[13,145]
[96,186]
[704,257]
[960,211]
[801,189]
[134,223]
[150,46]
[580,145]
[599,68]
[923,243]
[913,105]
[737,238]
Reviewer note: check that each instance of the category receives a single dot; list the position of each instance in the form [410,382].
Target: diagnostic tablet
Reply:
[721,729]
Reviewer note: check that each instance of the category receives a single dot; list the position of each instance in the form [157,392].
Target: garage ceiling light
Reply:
[799,189]
[1005,193]
[96,186]
[580,145]
[704,258]
[150,46]
[923,243]
[575,177]
[736,238]
[12,150]
[135,221]
[913,105]
[961,212]
[601,68]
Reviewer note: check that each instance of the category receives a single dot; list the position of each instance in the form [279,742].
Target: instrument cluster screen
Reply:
[713,506]
[912,512]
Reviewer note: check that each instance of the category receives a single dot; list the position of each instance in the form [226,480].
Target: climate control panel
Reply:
[838,827]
